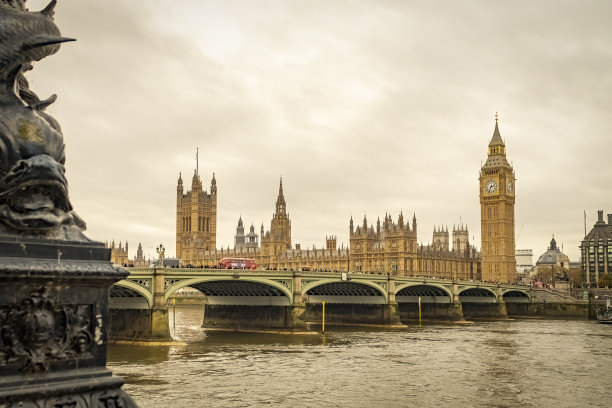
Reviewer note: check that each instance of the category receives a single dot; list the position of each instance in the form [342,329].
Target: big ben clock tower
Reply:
[497,213]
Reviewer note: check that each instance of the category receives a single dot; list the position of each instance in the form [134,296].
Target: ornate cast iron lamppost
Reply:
[161,251]
[55,282]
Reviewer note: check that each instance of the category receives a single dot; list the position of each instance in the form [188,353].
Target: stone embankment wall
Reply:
[552,304]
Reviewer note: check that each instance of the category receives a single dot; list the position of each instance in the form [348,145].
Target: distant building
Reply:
[140,261]
[552,265]
[119,253]
[391,247]
[171,262]
[524,260]
[120,256]
[242,241]
[596,251]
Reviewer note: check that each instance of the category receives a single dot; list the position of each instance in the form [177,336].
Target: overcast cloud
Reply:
[363,107]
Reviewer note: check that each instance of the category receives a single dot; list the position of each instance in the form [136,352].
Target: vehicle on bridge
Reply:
[237,263]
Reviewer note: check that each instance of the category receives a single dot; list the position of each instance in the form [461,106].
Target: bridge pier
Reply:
[494,309]
[501,311]
[391,313]
[455,310]
[144,324]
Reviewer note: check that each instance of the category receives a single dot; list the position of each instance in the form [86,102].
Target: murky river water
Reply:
[519,363]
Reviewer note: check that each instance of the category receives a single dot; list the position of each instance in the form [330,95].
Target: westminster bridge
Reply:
[287,300]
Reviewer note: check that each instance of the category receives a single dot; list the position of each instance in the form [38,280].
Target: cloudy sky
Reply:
[363,107]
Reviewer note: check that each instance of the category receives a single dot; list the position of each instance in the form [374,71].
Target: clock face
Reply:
[490,186]
[509,186]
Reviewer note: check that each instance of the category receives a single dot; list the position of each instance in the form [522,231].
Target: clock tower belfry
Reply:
[497,194]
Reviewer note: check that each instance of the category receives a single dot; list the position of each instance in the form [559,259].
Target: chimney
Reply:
[600,217]
[609,219]
[298,247]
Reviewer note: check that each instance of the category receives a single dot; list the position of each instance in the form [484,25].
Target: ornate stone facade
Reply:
[390,248]
[196,221]
[119,253]
[497,195]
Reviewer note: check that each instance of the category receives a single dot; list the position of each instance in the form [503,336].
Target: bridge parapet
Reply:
[388,286]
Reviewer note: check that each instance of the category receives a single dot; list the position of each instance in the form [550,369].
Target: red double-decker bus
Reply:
[237,263]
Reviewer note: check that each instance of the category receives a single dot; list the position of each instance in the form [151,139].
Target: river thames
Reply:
[514,363]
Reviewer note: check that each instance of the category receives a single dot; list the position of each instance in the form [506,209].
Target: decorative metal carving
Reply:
[285,282]
[170,282]
[39,331]
[33,187]
[144,282]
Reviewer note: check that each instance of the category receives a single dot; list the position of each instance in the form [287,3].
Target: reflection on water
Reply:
[531,363]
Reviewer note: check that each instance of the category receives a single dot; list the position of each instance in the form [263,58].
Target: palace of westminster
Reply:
[389,247]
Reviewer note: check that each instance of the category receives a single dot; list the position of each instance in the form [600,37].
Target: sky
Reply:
[363,108]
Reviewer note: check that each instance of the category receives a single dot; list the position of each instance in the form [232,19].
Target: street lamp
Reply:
[161,251]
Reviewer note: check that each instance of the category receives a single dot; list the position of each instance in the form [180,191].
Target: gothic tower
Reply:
[280,227]
[239,238]
[461,239]
[497,213]
[278,239]
[440,238]
[196,221]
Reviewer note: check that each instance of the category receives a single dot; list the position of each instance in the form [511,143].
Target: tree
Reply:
[605,281]
[575,277]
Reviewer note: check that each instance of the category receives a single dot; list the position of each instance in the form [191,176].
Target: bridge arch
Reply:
[399,288]
[516,296]
[429,293]
[338,291]
[124,295]
[477,295]
[229,290]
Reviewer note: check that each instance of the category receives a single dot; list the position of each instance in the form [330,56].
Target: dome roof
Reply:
[549,257]
[553,255]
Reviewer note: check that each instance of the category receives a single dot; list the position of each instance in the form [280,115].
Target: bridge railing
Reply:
[350,275]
